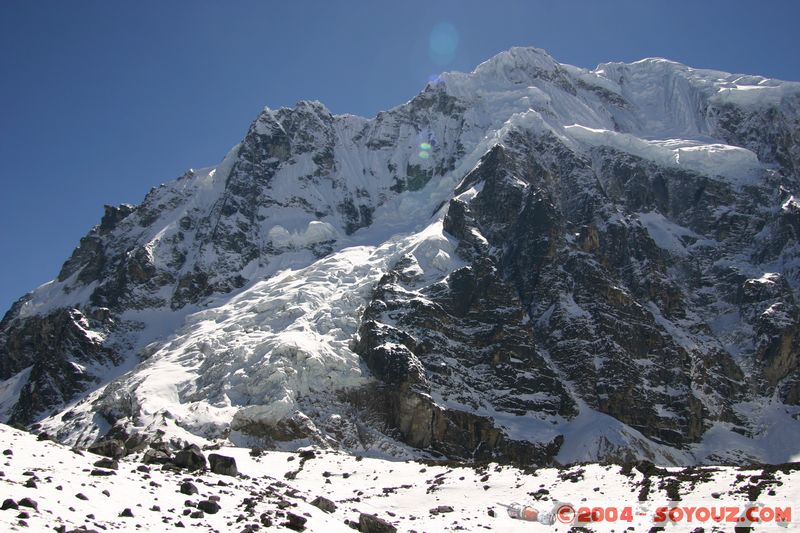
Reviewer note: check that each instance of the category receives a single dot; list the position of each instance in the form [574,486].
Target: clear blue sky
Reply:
[101,100]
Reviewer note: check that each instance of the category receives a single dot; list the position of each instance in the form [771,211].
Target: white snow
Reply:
[667,235]
[766,92]
[10,390]
[401,492]
[314,232]
[737,165]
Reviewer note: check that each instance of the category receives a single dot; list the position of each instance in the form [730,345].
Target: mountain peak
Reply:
[619,279]
[517,64]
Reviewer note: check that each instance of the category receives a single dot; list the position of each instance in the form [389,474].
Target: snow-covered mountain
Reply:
[532,262]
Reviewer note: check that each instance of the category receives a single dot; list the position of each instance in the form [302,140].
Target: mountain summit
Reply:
[530,262]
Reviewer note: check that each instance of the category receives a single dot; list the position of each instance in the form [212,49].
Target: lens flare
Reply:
[434,79]
[425,146]
[423,154]
[443,43]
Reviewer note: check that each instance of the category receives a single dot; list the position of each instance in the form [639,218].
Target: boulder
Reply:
[153,456]
[324,503]
[188,488]
[369,523]
[208,506]
[113,448]
[222,464]
[107,462]
[190,458]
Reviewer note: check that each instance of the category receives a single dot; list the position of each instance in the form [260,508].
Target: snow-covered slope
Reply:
[531,261]
[69,491]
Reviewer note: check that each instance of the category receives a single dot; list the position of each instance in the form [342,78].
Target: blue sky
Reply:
[101,100]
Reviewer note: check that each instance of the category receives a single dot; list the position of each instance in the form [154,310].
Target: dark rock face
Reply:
[461,340]
[566,289]
[36,345]
[222,464]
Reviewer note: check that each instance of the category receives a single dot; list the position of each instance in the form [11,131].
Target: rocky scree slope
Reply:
[530,262]
[47,486]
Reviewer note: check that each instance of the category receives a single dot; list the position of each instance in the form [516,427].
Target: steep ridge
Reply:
[531,262]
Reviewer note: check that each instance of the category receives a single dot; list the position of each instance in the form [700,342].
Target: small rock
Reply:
[8,452]
[107,462]
[101,472]
[196,514]
[30,483]
[23,514]
[295,522]
[81,496]
[210,507]
[126,513]
[324,503]
[27,502]
[222,464]
[188,488]
[106,493]
[307,454]
[256,452]
[8,503]
[369,523]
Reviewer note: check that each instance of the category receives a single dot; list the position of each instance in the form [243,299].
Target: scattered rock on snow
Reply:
[27,502]
[107,462]
[324,503]
[208,506]
[8,503]
[295,522]
[188,488]
[369,523]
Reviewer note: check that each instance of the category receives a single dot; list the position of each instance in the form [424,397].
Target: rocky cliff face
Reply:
[531,261]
